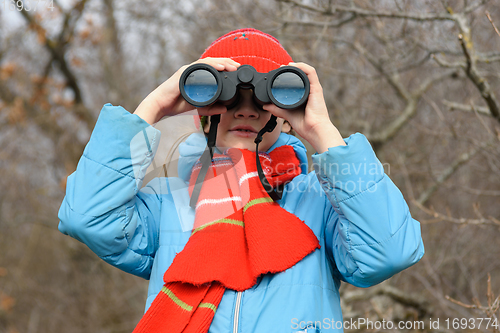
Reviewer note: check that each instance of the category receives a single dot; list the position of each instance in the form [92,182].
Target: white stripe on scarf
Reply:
[217,201]
[247,176]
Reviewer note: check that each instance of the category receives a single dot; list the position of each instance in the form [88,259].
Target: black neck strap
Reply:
[206,159]
[274,194]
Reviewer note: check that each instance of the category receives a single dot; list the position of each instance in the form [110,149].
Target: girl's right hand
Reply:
[166,99]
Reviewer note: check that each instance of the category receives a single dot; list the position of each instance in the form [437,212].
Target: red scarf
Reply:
[239,233]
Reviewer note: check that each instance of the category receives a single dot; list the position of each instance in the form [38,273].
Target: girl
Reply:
[240,262]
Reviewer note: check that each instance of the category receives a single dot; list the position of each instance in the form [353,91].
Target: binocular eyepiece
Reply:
[202,85]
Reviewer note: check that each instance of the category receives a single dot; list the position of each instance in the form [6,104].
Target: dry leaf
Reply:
[6,302]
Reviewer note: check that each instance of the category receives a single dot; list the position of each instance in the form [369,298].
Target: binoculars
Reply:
[202,85]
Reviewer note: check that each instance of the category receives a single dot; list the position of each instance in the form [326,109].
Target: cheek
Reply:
[279,127]
[220,138]
[272,137]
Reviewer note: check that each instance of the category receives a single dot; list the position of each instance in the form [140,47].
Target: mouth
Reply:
[243,131]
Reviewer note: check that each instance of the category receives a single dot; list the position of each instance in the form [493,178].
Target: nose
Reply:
[246,108]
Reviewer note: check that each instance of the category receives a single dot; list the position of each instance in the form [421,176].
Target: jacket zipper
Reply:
[237,311]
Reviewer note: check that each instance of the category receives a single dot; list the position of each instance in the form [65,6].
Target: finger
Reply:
[211,110]
[221,64]
[176,76]
[277,111]
[312,75]
[221,60]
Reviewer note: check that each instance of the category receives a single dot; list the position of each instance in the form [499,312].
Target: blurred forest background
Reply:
[421,79]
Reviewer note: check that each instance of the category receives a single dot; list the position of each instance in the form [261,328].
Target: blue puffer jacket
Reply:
[360,217]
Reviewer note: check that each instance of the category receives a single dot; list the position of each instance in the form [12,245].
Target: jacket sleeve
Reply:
[103,207]
[373,235]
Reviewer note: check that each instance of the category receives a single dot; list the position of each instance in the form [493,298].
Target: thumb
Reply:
[278,112]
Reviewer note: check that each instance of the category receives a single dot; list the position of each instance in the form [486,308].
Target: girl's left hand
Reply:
[313,124]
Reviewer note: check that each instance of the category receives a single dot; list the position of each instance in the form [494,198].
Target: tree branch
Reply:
[474,6]
[411,98]
[471,70]
[335,24]
[413,300]
[493,24]
[481,220]
[57,51]
[447,173]
[463,107]
[488,58]
[493,304]
[392,79]
[444,63]
[367,13]
[420,90]
[469,66]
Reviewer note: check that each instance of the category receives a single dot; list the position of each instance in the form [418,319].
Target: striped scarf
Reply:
[239,233]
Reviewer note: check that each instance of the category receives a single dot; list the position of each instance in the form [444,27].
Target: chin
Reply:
[250,147]
[243,143]
[239,143]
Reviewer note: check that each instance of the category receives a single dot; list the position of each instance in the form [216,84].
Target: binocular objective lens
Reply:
[200,86]
[288,88]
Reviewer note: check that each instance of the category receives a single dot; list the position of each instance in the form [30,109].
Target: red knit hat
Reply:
[249,47]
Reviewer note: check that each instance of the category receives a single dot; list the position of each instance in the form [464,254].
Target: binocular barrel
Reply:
[202,85]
